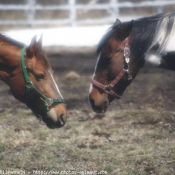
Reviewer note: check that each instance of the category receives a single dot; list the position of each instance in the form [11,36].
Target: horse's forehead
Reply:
[111,46]
[42,61]
[115,43]
[37,64]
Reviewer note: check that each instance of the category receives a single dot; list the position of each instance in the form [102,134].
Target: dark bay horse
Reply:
[27,71]
[124,49]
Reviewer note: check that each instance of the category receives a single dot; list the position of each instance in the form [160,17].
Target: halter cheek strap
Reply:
[109,88]
[30,87]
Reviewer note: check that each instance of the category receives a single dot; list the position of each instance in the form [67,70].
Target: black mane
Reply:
[143,33]
[110,32]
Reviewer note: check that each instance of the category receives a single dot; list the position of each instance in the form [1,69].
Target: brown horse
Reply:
[124,49]
[27,71]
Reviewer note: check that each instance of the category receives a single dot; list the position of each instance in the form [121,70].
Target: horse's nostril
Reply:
[105,106]
[99,106]
[61,119]
[92,102]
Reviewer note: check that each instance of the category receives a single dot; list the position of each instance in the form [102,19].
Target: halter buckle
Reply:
[29,84]
[126,67]
[107,89]
[48,102]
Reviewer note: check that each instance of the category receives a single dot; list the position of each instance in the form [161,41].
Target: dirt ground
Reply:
[135,136]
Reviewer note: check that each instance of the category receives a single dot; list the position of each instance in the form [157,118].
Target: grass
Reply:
[135,137]
[133,142]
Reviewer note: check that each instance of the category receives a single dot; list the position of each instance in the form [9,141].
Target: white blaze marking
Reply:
[90,88]
[55,84]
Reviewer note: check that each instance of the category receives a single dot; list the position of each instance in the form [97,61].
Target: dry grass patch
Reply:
[122,142]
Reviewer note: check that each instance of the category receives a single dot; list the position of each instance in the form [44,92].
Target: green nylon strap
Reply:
[30,87]
[25,73]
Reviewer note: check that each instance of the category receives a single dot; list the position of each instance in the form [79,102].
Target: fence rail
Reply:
[113,8]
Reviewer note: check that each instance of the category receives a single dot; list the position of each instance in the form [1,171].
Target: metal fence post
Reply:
[112,7]
[114,10]
[31,12]
[72,14]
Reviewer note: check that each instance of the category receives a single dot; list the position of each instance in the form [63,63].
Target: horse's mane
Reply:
[39,53]
[110,32]
[9,40]
[145,33]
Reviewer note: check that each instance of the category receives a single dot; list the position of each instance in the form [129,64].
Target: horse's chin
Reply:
[54,126]
[49,122]
[53,118]
[100,111]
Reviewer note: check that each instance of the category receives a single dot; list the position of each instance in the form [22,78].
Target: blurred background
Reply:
[54,13]
[69,15]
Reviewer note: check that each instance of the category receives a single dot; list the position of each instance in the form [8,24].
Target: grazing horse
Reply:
[124,49]
[27,71]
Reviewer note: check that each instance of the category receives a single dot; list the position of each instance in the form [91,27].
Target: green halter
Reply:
[30,87]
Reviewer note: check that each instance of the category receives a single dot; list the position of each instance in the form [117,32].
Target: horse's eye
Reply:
[39,76]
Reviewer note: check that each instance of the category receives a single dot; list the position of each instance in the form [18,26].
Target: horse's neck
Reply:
[9,61]
[164,60]
[162,53]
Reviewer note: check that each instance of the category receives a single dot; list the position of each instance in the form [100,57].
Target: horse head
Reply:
[33,84]
[114,69]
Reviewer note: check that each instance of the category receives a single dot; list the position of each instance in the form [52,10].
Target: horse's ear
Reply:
[117,22]
[33,42]
[39,43]
[30,48]
[124,30]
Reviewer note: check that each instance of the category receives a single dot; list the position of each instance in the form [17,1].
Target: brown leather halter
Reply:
[109,88]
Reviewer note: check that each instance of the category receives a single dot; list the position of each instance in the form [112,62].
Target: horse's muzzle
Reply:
[56,117]
[100,107]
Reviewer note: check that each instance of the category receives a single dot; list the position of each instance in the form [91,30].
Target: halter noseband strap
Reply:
[109,88]
[30,87]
